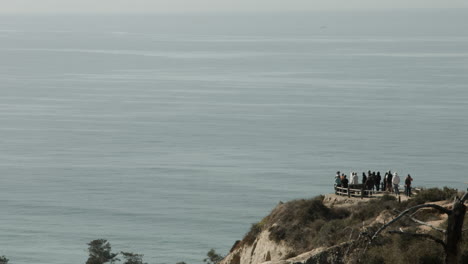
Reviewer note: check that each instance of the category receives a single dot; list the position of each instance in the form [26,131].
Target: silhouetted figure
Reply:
[384,182]
[344,182]
[408,181]
[389,181]
[370,182]
[374,178]
[377,180]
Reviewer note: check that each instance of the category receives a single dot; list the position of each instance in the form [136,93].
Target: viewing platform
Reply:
[359,191]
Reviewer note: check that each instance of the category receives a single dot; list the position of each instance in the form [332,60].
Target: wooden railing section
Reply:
[356,190]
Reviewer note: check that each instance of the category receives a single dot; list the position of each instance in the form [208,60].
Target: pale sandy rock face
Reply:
[262,250]
[320,255]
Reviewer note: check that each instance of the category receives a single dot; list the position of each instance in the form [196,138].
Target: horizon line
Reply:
[240,12]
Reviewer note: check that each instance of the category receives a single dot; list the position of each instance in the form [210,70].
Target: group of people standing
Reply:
[374,181]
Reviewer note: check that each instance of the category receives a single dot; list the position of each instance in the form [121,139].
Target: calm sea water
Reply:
[170,135]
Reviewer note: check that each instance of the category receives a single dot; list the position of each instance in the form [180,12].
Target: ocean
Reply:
[170,135]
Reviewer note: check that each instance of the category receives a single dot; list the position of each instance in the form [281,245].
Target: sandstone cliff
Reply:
[321,230]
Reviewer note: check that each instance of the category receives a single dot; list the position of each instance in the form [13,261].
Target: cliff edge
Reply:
[331,229]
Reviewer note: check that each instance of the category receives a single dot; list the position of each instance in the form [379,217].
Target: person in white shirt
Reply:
[354,178]
[396,182]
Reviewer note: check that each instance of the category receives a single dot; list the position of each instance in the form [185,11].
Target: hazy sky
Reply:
[190,6]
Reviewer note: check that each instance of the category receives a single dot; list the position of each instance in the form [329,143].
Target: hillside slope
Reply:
[331,229]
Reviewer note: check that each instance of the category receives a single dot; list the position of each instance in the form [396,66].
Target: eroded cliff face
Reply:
[265,248]
[322,255]
[262,250]
[266,251]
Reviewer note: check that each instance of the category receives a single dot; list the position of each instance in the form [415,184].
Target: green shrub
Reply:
[433,195]
[374,257]
[254,231]
[213,257]
[100,252]
[332,233]
[387,197]
[367,210]
[132,258]
[298,222]
[402,250]
[4,260]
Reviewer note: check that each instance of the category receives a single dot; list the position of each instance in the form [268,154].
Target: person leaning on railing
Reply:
[344,182]
[337,181]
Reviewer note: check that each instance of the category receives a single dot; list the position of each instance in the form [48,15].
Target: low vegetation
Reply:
[132,258]
[295,222]
[433,195]
[213,257]
[400,250]
[4,260]
[100,252]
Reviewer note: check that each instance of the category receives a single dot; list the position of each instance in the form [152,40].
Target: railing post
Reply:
[349,194]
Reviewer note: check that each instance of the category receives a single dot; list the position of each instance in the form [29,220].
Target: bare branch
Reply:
[427,236]
[421,222]
[464,198]
[438,207]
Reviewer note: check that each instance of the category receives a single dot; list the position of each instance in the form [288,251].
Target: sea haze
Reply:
[170,135]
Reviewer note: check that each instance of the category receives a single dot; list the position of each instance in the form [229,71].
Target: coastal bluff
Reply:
[331,229]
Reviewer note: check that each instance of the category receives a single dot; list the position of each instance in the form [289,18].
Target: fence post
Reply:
[349,194]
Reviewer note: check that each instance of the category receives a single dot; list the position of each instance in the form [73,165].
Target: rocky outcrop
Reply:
[261,250]
[264,248]
[266,242]
[322,255]
[338,254]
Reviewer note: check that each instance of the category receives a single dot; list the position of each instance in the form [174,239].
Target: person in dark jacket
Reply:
[389,181]
[377,180]
[370,182]
[364,178]
[408,181]
[344,182]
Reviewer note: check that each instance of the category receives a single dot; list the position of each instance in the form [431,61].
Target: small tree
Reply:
[4,260]
[100,252]
[213,257]
[132,258]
